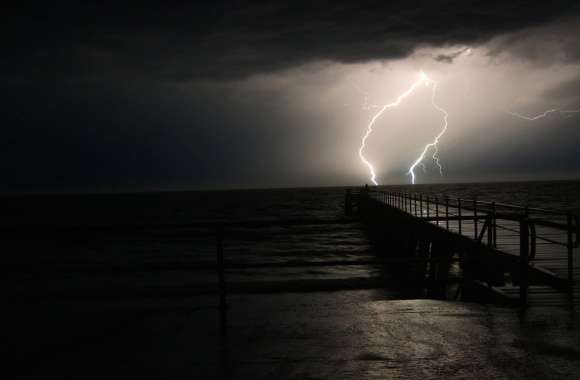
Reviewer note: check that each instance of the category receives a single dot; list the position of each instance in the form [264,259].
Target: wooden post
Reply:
[427,206]
[447,212]
[570,246]
[524,249]
[475,219]
[489,220]
[437,210]
[220,265]
[493,228]
[459,214]
[421,205]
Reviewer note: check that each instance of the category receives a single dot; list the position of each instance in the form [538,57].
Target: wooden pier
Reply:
[512,254]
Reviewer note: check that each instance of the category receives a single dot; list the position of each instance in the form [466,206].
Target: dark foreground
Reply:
[95,306]
[331,335]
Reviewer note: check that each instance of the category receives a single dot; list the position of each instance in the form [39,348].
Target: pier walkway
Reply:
[508,237]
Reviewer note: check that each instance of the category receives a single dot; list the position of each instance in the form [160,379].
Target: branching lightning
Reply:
[432,144]
[423,80]
[543,114]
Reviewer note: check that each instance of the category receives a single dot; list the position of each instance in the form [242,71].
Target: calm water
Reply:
[184,207]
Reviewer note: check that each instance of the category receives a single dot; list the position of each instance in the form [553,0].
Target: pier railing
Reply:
[538,236]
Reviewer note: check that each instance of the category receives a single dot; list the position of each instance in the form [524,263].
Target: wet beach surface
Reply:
[345,335]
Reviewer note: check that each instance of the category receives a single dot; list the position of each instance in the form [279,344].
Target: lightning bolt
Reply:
[422,80]
[432,144]
[543,114]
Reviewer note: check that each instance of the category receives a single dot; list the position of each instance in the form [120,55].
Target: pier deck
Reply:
[543,241]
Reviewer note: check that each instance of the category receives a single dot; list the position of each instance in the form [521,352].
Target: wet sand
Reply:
[359,334]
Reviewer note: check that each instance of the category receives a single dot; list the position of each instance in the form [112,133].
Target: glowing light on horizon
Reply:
[423,80]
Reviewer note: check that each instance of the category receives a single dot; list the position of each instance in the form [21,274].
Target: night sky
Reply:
[99,96]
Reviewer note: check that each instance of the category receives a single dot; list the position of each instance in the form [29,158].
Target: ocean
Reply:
[147,238]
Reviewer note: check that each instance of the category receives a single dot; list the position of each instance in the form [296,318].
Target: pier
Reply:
[507,253]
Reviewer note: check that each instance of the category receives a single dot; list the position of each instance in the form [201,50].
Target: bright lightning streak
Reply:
[435,141]
[423,80]
[544,114]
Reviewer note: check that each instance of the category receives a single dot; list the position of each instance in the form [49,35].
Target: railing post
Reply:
[415,202]
[427,206]
[421,205]
[475,219]
[220,265]
[524,249]
[447,212]
[570,246]
[459,215]
[489,221]
[493,227]
[437,210]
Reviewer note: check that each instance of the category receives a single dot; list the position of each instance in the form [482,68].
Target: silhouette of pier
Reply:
[507,253]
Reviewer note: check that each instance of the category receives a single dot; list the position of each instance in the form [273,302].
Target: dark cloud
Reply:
[556,43]
[177,40]
[450,57]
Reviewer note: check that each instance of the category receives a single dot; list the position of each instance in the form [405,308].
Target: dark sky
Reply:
[100,96]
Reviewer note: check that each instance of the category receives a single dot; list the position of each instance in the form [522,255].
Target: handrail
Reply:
[532,215]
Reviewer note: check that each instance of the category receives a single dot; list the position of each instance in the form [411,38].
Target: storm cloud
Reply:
[179,41]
